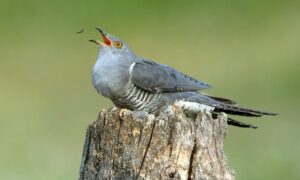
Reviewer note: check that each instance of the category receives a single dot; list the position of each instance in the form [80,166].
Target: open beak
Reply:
[96,42]
[106,42]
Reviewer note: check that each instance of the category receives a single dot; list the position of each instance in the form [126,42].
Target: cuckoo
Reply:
[140,84]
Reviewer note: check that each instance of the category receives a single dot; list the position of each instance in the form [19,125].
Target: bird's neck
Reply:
[109,73]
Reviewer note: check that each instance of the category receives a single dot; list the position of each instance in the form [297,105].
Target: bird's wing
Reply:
[155,77]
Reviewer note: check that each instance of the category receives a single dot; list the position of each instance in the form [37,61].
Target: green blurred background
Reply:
[249,50]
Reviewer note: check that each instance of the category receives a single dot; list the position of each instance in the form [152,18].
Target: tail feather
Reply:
[236,123]
[220,104]
[223,100]
[234,110]
[233,122]
[230,107]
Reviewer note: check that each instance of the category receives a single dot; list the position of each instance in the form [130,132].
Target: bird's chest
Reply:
[109,79]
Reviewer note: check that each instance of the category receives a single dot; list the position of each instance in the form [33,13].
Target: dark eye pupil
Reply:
[118,44]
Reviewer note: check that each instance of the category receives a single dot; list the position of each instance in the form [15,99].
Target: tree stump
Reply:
[170,146]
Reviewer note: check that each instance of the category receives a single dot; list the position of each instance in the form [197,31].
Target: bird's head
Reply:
[111,44]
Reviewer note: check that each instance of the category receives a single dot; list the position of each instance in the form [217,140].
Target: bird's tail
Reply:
[233,122]
[225,105]
[236,123]
[235,110]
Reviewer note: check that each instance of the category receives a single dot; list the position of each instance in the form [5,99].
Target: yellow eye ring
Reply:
[118,44]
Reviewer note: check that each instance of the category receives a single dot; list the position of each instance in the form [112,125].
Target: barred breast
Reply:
[138,99]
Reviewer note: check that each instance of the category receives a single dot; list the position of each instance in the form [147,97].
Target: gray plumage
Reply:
[136,83]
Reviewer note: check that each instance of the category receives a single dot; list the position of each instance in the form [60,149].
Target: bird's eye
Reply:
[118,44]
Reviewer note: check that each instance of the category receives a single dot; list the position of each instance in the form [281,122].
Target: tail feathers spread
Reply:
[233,122]
[234,110]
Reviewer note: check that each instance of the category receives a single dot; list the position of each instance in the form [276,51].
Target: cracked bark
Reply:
[170,146]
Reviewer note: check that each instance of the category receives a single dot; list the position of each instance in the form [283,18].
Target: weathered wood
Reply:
[170,146]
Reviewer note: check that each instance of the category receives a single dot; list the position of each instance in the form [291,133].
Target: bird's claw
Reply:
[175,108]
[122,112]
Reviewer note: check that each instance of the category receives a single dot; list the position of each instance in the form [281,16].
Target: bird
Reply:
[140,84]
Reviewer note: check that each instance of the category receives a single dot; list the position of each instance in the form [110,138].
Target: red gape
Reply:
[106,40]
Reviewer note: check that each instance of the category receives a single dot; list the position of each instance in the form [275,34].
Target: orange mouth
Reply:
[104,36]
[107,42]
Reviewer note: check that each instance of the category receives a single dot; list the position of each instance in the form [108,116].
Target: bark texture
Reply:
[130,145]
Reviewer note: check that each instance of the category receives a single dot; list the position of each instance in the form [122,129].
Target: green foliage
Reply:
[248,50]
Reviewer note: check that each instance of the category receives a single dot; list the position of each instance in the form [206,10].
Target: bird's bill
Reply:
[98,42]
[107,41]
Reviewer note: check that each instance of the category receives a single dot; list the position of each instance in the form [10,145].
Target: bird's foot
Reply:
[122,112]
[176,108]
